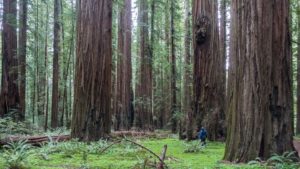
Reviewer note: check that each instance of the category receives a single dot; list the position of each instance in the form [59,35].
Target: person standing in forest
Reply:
[202,135]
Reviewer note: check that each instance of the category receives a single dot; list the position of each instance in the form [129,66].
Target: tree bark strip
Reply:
[208,90]
[92,98]
[260,91]
[10,99]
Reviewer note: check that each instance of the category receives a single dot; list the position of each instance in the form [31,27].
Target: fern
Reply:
[16,154]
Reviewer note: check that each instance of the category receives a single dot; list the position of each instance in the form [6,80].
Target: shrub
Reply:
[287,160]
[16,154]
[193,147]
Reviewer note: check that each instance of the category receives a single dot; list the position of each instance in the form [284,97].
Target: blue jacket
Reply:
[202,134]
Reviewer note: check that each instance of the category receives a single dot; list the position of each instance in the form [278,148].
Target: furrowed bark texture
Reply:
[187,89]
[10,99]
[22,55]
[173,71]
[208,67]
[143,118]
[56,55]
[260,92]
[124,111]
[92,96]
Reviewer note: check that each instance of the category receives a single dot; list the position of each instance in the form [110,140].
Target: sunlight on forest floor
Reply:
[74,155]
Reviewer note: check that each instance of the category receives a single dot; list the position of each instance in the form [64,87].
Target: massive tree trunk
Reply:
[22,55]
[56,54]
[260,95]
[173,70]
[91,116]
[208,67]
[143,118]
[124,87]
[10,100]
[187,90]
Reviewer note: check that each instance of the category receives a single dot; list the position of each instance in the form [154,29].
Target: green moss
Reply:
[127,156]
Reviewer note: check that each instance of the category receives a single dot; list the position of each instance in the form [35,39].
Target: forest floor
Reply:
[75,155]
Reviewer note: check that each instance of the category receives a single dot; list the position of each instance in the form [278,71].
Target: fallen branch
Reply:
[106,148]
[162,157]
[35,140]
[150,151]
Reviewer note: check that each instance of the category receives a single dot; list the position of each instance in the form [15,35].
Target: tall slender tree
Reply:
[187,90]
[143,118]
[10,99]
[91,116]
[124,97]
[208,90]
[56,54]
[260,91]
[173,69]
[22,54]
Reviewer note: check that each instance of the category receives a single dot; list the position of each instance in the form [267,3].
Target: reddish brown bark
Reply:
[173,70]
[187,81]
[143,112]
[92,98]
[260,91]
[22,55]
[208,90]
[10,99]
[124,87]
[56,55]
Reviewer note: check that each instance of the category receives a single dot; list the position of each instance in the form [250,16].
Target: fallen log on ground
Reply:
[39,140]
[35,140]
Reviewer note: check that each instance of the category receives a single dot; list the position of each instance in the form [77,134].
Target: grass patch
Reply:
[74,155]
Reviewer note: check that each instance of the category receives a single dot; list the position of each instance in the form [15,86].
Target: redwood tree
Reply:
[187,91]
[10,99]
[124,87]
[208,69]
[143,98]
[22,54]
[173,69]
[92,91]
[56,54]
[260,90]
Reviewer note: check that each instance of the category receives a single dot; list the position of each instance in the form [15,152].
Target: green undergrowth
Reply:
[75,155]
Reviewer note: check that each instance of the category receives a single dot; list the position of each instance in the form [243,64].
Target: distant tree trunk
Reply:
[298,75]
[56,54]
[260,97]
[187,90]
[91,117]
[41,69]
[69,72]
[208,91]
[166,111]
[173,70]
[46,104]
[10,99]
[222,73]
[22,55]
[124,87]
[143,118]
[223,35]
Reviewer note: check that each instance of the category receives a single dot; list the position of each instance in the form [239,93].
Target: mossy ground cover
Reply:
[74,155]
